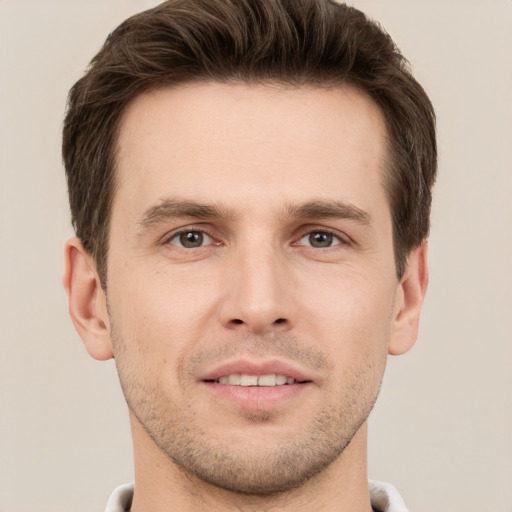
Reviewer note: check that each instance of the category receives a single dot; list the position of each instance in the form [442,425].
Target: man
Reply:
[250,185]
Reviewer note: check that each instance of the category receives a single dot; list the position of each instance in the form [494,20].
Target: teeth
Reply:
[248,380]
[234,379]
[256,380]
[281,379]
[267,380]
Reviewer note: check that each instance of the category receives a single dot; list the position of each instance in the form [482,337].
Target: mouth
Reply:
[244,379]
[256,373]
[257,385]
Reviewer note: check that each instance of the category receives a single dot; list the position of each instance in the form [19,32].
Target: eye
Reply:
[320,239]
[190,239]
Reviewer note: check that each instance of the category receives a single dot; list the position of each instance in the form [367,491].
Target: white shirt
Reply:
[384,498]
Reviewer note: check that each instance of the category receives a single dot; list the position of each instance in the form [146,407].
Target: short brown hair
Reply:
[296,42]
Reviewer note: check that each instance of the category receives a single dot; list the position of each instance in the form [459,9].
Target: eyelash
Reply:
[175,235]
[341,238]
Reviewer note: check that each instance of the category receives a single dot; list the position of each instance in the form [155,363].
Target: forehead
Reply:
[237,141]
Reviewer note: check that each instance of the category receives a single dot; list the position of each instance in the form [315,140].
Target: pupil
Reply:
[320,239]
[191,239]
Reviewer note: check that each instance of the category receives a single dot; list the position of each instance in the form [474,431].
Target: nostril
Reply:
[238,321]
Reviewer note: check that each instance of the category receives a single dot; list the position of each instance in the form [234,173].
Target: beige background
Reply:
[442,430]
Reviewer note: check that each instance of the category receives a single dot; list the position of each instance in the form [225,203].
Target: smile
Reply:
[244,379]
[257,385]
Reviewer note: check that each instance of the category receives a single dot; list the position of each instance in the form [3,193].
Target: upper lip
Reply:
[256,368]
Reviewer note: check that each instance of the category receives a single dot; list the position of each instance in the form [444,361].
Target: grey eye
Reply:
[320,239]
[190,239]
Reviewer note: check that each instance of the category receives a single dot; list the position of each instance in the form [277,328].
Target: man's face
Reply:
[251,243]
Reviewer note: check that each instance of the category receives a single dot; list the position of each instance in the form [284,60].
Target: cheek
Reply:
[354,315]
[161,316]
[349,296]
[358,339]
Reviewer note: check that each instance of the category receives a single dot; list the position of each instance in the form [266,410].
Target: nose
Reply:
[259,296]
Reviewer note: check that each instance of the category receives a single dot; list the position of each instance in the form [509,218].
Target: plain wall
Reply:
[442,429]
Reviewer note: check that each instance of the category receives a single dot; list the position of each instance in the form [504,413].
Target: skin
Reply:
[295,268]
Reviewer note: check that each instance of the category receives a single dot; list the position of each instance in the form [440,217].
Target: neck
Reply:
[161,485]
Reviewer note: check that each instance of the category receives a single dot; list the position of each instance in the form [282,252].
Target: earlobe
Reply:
[408,302]
[86,299]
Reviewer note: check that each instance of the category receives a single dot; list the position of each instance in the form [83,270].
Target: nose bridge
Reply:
[259,297]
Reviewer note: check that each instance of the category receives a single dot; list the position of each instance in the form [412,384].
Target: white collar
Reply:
[384,498]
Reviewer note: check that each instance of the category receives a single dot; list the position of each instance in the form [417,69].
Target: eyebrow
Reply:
[178,208]
[329,209]
[174,208]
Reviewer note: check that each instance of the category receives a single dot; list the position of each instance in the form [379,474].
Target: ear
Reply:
[87,300]
[408,302]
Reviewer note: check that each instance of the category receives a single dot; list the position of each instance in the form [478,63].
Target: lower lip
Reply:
[257,397]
